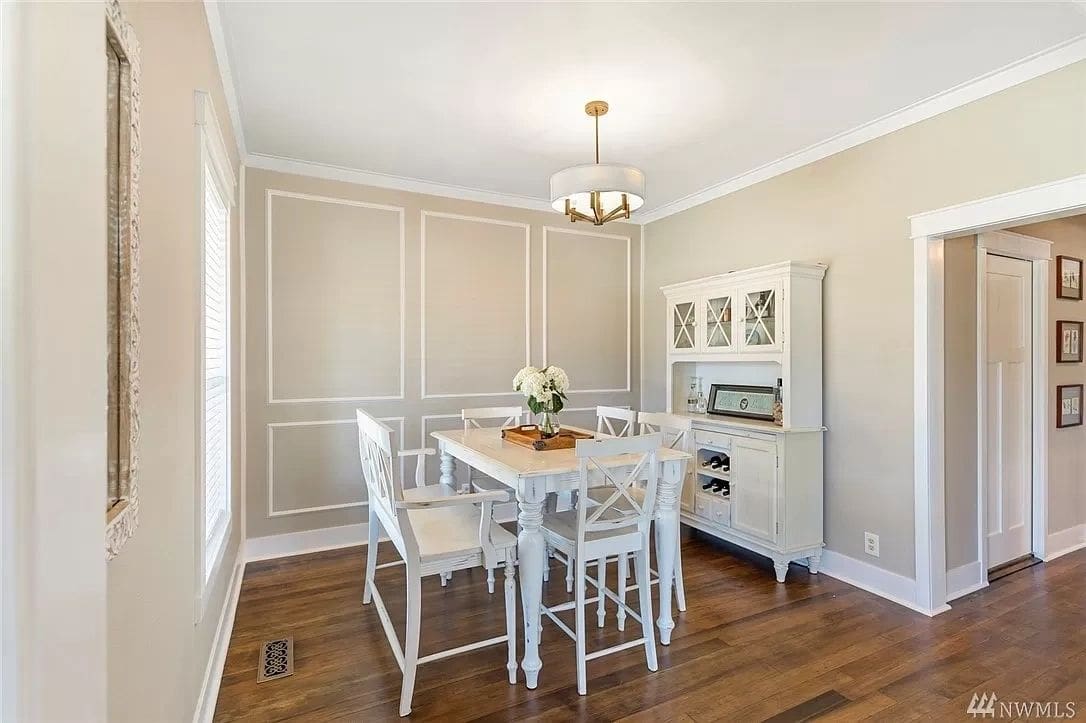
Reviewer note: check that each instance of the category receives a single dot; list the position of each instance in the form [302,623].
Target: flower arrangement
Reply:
[545,390]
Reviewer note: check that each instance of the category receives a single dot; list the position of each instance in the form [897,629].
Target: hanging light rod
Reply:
[597,192]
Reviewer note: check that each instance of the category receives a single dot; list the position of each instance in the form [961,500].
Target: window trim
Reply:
[211,154]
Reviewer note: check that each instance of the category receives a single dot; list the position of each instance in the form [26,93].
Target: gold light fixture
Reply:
[597,192]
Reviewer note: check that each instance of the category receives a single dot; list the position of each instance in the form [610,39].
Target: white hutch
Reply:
[753,327]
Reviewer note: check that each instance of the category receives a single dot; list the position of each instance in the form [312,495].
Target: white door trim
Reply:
[927,231]
[1038,253]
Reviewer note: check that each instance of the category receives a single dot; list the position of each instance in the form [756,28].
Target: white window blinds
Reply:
[216,334]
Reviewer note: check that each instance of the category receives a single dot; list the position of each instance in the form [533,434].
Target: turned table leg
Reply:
[532,554]
[667,537]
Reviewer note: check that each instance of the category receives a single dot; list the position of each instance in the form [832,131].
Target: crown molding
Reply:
[397,183]
[1030,67]
[218,42]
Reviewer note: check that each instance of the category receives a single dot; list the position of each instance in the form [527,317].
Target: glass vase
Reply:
[548,424]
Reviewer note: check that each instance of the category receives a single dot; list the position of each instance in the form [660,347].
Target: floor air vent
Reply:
[276,660]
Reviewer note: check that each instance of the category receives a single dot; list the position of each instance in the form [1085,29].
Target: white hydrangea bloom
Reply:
[558,378]
[523,374]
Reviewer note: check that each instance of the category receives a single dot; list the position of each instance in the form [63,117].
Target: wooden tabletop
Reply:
[526,462]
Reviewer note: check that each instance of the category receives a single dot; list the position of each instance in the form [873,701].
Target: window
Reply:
[216,199]
[216,346]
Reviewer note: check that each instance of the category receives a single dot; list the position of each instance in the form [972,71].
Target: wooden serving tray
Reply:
[528,435]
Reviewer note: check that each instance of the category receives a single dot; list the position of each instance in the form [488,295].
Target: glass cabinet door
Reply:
[718,322]
[759,323]
[683,325]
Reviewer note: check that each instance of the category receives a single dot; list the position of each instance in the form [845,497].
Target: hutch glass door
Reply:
[759,323]
[683,325]
[718,322]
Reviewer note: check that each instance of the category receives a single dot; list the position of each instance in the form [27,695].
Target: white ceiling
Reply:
[491,96]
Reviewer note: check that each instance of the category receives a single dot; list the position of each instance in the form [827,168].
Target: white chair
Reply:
[480,482]
[433,535]
[677,433]
[617,526]
[616,421]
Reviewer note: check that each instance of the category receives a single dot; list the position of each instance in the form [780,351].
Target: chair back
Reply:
[620,510]
[472,417]
[608,419]
[383,489]
[677,431]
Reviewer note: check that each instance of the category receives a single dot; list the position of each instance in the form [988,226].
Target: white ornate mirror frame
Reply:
[123,161]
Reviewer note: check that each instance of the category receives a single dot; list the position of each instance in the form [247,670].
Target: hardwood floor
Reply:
[746,649]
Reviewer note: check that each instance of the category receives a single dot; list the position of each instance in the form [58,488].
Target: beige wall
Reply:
[334,305]
[849,211]
[53,361]
[960,404]
[1067,447]
[157,655]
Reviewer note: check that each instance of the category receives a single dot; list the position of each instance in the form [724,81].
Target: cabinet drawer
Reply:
[722,512]
[713,508]
[703,507]
[713,439]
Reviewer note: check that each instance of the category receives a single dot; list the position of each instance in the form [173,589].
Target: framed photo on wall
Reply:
[1068,278]
[1068,405]
[1068,341]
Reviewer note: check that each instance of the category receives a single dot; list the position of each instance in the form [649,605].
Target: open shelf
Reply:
[715,474]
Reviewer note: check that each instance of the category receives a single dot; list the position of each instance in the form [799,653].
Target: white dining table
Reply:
[532,475]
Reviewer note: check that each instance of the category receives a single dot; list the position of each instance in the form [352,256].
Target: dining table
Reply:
[532,475]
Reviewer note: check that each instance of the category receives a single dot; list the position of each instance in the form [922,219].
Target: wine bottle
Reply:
[725,464]
[715,462]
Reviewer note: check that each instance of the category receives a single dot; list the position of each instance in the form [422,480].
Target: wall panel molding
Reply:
[272,426]
[271,193]
[629,300]
[422,299]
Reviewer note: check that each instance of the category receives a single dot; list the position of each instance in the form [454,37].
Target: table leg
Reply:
[532,556]
[448,469]
[667,538]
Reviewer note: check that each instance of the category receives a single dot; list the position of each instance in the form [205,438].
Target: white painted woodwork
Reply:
[435,531]
[616,421]
[784,329]
[774,331]
[754,488]
[478,418]
[533,475]
[1008,423]
[618,524]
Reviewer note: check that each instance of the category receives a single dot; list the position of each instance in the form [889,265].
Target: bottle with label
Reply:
[703,402]
[778,403]
[692,396]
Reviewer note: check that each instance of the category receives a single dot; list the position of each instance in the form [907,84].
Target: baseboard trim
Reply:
[1066,541]
[889,585]
[307,541]
[209,690]
[965,579]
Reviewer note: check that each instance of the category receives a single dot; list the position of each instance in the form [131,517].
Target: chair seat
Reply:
[482,483]
[561,528]
[428,492]
[453,532]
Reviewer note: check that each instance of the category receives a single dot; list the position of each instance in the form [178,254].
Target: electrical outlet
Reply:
[871,544]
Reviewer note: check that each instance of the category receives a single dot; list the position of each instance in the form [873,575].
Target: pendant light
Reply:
[597,192]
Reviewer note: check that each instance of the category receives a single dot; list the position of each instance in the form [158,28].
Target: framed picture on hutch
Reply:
[1068,278]
[1068,405]
[1068,341]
